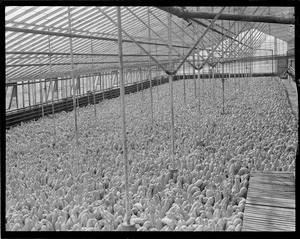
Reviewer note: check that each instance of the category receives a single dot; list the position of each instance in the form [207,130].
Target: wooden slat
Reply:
[274,187]
[258,226]
[274,216]
[272,194]
[284,194]
[279,176]
[288,218]
[270,203]
[270,223]
[272,180]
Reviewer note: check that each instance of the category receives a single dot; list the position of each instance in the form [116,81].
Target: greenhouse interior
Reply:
[144,118]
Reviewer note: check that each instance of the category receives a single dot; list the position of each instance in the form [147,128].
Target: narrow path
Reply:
[270,203]
[291,90]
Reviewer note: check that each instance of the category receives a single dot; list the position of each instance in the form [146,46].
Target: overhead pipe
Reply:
[233,17]
[75,54]
[61,34]
[75,63]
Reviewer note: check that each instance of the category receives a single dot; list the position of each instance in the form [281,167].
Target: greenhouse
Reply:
[174,118]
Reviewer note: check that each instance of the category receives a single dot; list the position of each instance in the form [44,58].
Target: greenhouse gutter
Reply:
[233,17]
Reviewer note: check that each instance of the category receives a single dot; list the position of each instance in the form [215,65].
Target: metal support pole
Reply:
[52,88]
[223,79]
[150,77]
[42,95]
[203,85]
[172,168]
[198,59]
[93,76]
[73,77]
[183,71]
[126,225]
[194,75]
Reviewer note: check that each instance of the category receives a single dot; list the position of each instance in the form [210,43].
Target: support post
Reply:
[194,75]
[73,77]
[172,168]
[150,76]
[183,70]
[127,225]
[52,88]
[223,79]
[198,59]
[41,93]
[93,76]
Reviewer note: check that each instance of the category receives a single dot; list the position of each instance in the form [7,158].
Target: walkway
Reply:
[292,95]
[270,203]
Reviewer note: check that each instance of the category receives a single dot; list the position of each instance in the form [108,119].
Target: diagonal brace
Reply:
[213,50]
[131,38]
[159,35]
[201,37]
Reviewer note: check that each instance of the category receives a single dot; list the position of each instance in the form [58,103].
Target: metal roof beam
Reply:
[76,54]
[233,17]
[83,36]
[75,63]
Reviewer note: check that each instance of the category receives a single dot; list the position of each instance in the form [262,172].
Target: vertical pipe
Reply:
[52,88]
[199,88]
[198,59]
[194,75]
[73,77]
[183,69]
[95,111]
[34,90]
[223,79]
[203,82]
[28,87]
[42,98]
[150,77]
[23,95]
[16,90]
[41,92]
[171,86]
[239,63]
[157,84]
[137,81]
[142,84]
[103,85]
[82,86]
[122,92]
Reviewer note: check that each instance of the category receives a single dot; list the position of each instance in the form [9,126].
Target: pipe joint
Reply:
[171,73]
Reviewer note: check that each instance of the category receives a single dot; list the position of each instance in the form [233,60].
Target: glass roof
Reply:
[27,55]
